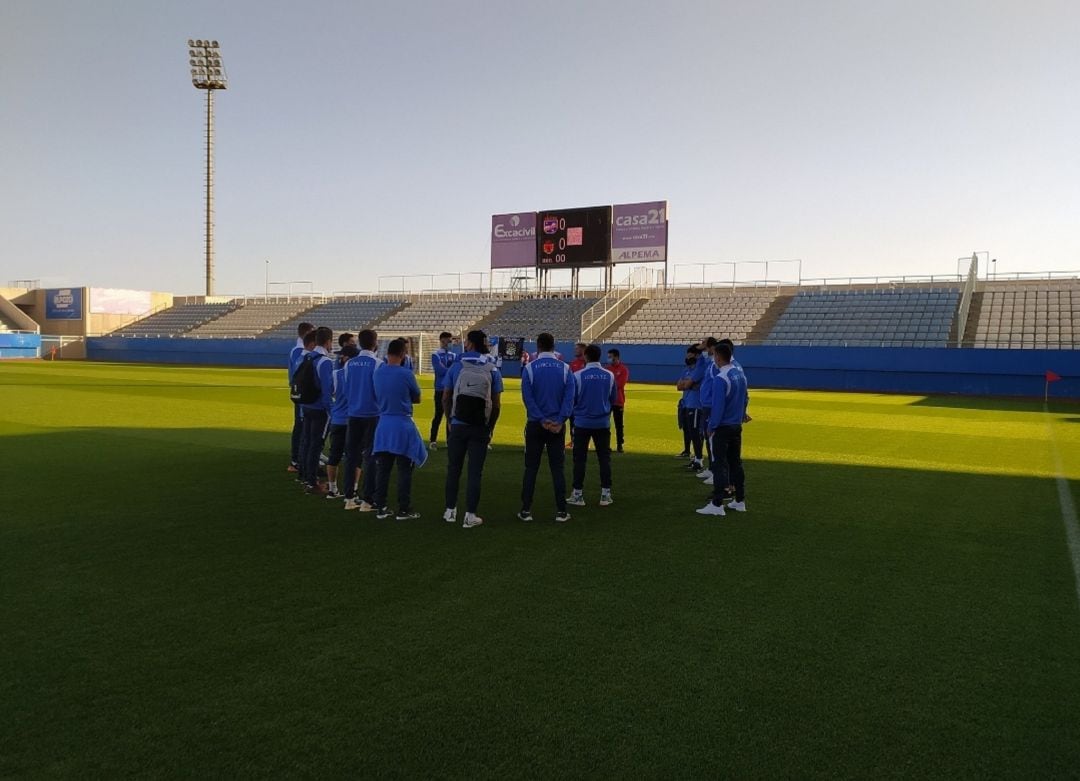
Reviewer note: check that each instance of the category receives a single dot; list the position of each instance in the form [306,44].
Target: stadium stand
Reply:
[252,319]
[1043,316]
[338,315]
[917,317]
[685,316]
[175,320]
[434,316]
[560,317]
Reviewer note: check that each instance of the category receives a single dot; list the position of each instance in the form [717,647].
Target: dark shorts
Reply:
[336,437]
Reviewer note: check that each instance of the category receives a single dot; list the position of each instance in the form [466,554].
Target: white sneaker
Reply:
[707,481]
[433,445]
[739,507]
[577,498]
[711,509]
[704,473]
[471,521]
[352,504]
[605,498]
[450,516]
[366,507]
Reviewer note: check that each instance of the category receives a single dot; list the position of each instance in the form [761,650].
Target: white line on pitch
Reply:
[1068,510]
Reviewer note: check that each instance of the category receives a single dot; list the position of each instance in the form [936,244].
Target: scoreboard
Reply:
[573,237]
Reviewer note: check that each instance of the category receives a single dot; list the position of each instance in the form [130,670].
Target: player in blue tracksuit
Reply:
[473,396]
[339,418]
[689,409]
[441,361]
[735,364]
[726,415]
[704,373]
[363,417]
[547,390]
[296,354]
[317,414]
[594,394]
[397,439]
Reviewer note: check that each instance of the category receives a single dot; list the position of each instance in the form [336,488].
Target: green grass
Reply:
[899,602]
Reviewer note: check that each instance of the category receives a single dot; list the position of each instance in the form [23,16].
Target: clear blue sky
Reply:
[361,139]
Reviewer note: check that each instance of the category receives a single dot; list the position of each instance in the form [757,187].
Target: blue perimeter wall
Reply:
[20,345]
[880,369]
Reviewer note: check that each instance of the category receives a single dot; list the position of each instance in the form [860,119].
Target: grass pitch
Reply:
[899,601]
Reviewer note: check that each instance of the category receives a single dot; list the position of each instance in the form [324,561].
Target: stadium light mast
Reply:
[208,73]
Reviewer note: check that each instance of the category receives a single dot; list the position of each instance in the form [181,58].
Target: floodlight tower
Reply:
[208,73]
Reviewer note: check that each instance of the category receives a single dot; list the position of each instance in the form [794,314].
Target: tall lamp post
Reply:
[208,73]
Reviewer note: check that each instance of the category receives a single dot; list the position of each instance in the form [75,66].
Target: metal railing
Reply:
[965,298]
[597,318]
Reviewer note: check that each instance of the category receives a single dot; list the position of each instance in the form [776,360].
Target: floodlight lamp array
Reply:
[207,70]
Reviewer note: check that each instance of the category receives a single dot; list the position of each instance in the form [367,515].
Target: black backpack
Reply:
[305,383]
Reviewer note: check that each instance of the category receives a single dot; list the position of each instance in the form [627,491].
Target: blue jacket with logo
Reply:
[324,370]
[594,394]
[547,389]
[441,361]
[360,385]
[339,412]
[296,355]
[729,398]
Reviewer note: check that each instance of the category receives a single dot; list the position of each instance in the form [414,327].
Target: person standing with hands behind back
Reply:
[547,389]
[441,361]
[593,397]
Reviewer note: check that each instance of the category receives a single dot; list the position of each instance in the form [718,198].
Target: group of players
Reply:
[712,411]
[362,405]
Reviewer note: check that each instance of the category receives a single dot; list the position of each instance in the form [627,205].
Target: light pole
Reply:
[267,294]
[208,73]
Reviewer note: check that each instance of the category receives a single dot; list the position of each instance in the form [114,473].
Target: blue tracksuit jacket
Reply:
[729,398]
[547,389]
[360,385]
[593,396]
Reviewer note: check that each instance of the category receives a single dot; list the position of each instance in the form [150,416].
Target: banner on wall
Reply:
[114,301]
[513,240]
[639,232]
[64,303]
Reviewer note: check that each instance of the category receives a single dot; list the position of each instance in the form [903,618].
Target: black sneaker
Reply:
[524,515]
[406,515]
[695,466]
[684,454]
[562,517]
[383,512]
[619,449]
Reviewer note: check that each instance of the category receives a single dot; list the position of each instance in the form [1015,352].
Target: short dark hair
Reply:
[592,353]
[323,335]
[724,351]
[711,342]
[446,335]
[369,340]
[729,343]
[310,338]
[349,351]
[303,329]
[614,351]
[396,347]
[344,339]
[580,344]
[694,349]
[545,342]
[479,341]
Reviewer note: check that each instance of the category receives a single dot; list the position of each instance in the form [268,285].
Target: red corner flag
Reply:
[1052,376]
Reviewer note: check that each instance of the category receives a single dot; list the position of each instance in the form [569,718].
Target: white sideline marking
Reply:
[1068,510]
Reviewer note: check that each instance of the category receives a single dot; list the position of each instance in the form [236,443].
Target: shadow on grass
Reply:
[172,599]
[997,404]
